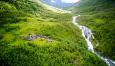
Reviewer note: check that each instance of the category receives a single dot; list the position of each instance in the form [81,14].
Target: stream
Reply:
[87,33]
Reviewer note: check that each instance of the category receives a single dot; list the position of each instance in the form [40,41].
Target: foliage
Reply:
[99,16]
[19,18]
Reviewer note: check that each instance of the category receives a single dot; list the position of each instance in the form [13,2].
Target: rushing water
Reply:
[87,33]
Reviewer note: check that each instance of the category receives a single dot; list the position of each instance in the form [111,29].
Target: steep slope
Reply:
[31,35]
[99,16]
[57,3]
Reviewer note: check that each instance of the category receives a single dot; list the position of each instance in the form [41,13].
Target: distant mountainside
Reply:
[99,15]
[94,6]
[57,3]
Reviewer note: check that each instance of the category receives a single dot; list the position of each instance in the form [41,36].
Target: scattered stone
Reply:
[31,37]
[45,36]
[42,39]
[49,40]
[38,36]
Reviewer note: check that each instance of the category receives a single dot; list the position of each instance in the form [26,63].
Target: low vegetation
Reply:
[21,18]
[99,16]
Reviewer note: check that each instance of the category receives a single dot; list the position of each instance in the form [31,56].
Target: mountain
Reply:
[99,16]
[57,3]
[33,35]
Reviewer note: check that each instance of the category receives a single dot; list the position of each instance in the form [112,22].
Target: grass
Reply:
[68,47]
[101,21]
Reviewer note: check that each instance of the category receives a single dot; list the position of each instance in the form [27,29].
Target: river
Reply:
[87,33]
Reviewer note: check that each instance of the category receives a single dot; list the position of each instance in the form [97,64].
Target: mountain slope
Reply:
[99,16]
[57,3]
[31,35]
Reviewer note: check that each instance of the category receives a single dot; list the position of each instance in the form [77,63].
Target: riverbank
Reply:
[87,34]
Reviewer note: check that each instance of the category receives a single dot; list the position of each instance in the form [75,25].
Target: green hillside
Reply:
[31,35]
[99,16]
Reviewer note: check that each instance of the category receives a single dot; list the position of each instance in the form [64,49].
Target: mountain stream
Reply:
[87,33]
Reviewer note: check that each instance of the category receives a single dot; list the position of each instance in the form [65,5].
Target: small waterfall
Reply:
[87,33]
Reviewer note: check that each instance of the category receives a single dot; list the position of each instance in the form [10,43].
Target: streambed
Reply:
[87,33]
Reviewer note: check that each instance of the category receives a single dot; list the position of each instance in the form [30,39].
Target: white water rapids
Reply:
[87,33]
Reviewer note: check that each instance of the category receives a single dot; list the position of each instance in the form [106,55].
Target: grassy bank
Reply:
[99,17]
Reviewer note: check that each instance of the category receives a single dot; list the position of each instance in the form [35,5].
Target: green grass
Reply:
[100,19]
[68,47]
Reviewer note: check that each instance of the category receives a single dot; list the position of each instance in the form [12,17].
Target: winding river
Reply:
[87,33]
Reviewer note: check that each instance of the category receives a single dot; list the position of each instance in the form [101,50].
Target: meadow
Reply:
[20,18]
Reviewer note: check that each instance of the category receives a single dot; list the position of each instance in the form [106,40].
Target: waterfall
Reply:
[87,33]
